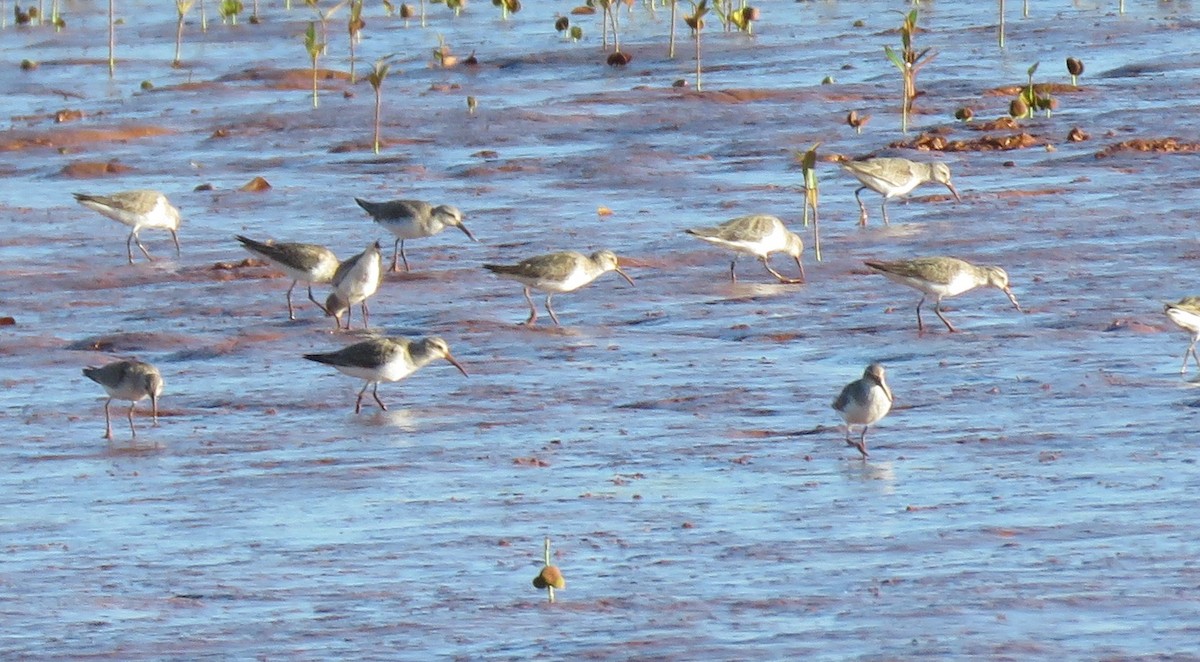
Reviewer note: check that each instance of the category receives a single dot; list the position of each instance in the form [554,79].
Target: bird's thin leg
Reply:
[396,256]
[550,308]
[848,442]
[130,417]
[129,247]
[366,315]
[732,275]
[781,277]
[532,309]
[175,237]
[862,443]
[884,207]
[937,308]
[862,209]
[138,241]
[801,266]
[1191,349]
[154,409]
[314,299]
[358,401]
[108,420]
[403,256]
[920,324]
[291,311]
[375,393]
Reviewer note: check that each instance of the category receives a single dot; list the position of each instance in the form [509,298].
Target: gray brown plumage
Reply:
[127,380]
[864,402]
[893,178]
[759,235]
[310,263]
[555,273]
[943,277]
[413,219]
[138,209]
[385,360]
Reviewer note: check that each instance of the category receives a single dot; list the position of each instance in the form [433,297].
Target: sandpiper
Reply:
[413,219]
[942,277]
[385,360]
[895,177]
[127,380]
[863,402]
[557,272]
[759,235]
[310,263]
[1186,315]
[354,281]
[137,209]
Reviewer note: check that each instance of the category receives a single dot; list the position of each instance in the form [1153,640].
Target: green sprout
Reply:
[314,47]
[379,71]
[354,26]
[229,10]
[182,7]
[808,165]
[909,61]
[695,21]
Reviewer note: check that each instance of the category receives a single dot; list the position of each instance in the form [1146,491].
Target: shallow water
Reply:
[1028,497]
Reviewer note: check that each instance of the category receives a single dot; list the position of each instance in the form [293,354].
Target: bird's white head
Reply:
[998,278]
[607,261]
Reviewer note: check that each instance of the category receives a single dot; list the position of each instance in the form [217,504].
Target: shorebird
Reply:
[863,402]
[1185,313]
[127,380]
[942,277]
[310,263]
[413,219]
[555,273]
[354,281]
[894,177]
[137,209]
[759,235]
[385,360]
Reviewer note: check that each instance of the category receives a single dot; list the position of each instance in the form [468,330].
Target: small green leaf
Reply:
[1033,69]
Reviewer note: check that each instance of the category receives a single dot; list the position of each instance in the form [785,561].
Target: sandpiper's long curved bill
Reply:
[953,190]
[625,276]
[1013,299]
[467,232]
[456,364]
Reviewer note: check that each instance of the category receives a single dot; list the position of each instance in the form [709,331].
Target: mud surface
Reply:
[1028,497]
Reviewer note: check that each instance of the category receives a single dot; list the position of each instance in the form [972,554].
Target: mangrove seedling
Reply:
[112,38]
[1031,99]
[671,42]
[561,25]
[964,114]
[1000,30]
[856,121]
[576,33]
[695,21]
[354,26]
[472,105]
[1075,68]
[379,71]
[229,10]
[909,61]
[182,7]
[808,166]
[550,577]
[203,18]
[456,5]
[507,7]
[314,47]
[743,18]
[442,55]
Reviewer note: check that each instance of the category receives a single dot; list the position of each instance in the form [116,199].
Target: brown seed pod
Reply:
[550,576]
[1074,66]
[1077,135]
[407,11]
[562,23]
[619,59]
[965,114]
[750,14]
[1018,108]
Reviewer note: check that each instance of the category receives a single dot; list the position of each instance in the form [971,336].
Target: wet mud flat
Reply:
[1029,496]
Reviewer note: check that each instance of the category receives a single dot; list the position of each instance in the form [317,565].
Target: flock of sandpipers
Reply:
[386,359]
